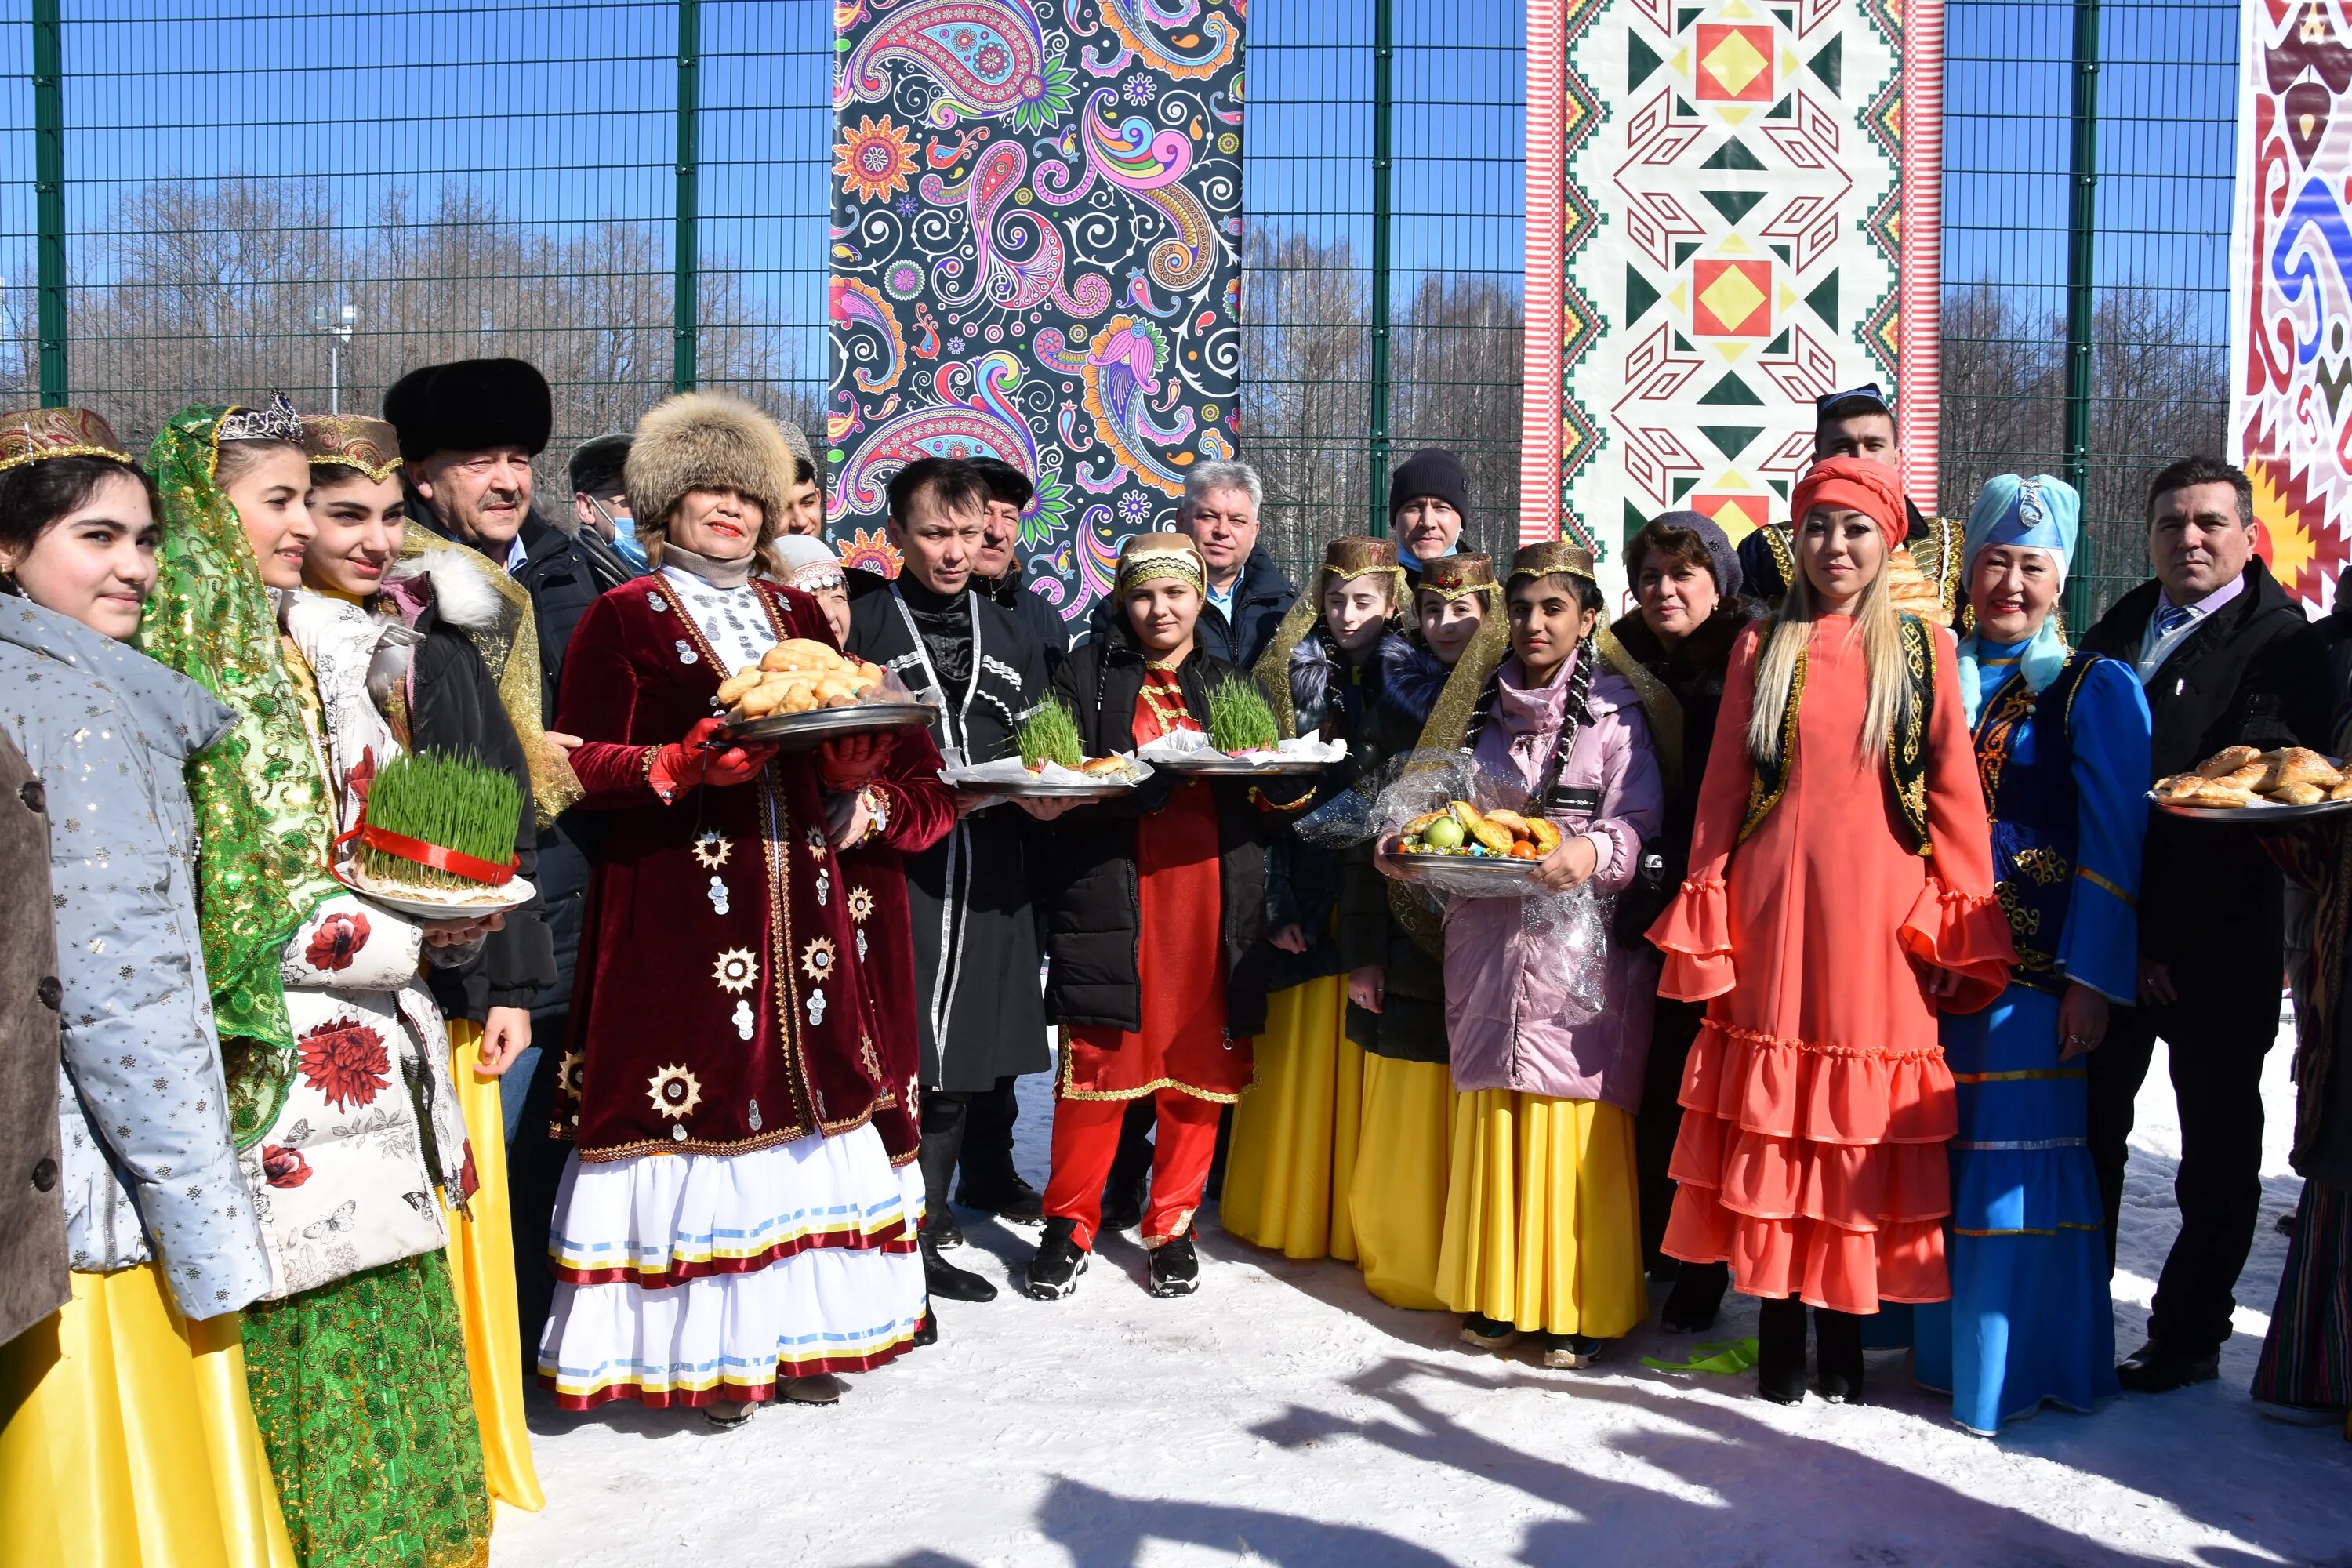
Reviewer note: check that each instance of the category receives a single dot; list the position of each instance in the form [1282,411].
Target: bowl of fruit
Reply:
[1459,843]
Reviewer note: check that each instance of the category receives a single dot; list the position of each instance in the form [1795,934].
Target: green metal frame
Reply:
[686,254]
[1384,117]
[49,197]
[2082,242]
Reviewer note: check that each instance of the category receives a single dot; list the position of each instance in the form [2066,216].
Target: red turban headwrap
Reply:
[1854,484]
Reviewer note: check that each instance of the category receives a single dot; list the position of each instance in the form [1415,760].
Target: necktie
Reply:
[2170,618]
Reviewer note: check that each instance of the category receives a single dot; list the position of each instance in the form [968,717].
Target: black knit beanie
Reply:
[1433,472]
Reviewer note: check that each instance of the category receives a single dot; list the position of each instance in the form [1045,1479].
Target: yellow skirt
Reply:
[482,1272]
[1542,1230]
[1397,1204]
[126,1438]
[1293,1157]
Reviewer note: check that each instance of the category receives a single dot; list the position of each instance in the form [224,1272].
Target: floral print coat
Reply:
[143,1106]
[346,1176]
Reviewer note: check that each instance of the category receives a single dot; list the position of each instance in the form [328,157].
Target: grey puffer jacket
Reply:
[149,1166]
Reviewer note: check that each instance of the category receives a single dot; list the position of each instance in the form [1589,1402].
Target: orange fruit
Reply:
[1523,851]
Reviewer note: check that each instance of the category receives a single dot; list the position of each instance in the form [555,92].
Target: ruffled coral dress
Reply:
[1817,1103]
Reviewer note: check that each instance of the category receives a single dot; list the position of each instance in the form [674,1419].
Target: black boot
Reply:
[1696,1299]
[1054,1272]
[1781,1350]
[1175,1266]
[945,1281]
[926,1332]
[1009,1199]
[1837,1344]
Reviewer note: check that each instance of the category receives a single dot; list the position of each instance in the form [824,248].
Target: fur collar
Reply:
[463,591]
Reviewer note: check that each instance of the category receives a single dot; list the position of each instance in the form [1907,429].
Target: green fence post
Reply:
[684,251]
[1382,104]
[49,196]
[2082,217]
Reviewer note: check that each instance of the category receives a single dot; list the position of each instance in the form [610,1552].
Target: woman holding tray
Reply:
[730,1230]
[1839,896]
[339,1092]
[1542,1233]
[1152,930]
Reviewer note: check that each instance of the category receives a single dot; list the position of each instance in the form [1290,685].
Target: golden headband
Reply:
[39,432]
[1451,576]
[351,441]
[1148,557]
[1552,556]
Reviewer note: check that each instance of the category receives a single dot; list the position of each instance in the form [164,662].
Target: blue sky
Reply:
[562,112]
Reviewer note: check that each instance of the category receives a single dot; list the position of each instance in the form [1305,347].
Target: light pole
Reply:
[339,336]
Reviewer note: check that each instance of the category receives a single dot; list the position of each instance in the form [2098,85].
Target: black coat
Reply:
[977,1008]
[1695,673]
[1411,1024]
[1094,911]
[2252,673]
[1045,622]
[1262,596]
[457,710]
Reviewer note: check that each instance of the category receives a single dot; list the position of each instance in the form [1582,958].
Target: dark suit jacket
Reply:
[2252,673]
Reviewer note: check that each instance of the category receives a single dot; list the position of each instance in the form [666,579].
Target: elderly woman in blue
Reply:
[2062,741]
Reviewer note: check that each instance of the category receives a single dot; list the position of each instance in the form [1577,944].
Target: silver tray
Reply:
[1502,869]
[1239,767]
[425,904]
[2262,814]
[1093,789]
[798,732]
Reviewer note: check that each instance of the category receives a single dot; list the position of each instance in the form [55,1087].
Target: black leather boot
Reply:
[1781,1350]
[1837,1345]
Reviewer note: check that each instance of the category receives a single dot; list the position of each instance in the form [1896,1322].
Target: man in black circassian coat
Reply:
[2227,657]
[468,431]
[978,1010]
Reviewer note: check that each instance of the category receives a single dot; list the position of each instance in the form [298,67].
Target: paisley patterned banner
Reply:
[1036,232]
[1747,169]
[2291,286]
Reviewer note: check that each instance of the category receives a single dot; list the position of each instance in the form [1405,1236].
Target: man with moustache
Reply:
[980,1013]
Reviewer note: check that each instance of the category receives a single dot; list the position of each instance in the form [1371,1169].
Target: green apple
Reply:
[1444,833]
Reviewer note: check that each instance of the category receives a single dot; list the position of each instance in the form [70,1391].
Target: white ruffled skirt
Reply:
[694,1278]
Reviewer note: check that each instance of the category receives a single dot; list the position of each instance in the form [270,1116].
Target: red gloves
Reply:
[682,764]
[850,762]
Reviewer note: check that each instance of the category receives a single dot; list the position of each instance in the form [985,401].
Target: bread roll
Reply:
[800,654]
[1103,766]
[731,690]
[2342,791]
[2229,759]
[2216,795]
[2297,795]
[2297,765]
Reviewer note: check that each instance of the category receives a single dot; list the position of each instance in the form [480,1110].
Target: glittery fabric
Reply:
[262,808]
[361,1391]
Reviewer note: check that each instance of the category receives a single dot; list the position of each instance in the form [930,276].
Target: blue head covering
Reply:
[2040,513]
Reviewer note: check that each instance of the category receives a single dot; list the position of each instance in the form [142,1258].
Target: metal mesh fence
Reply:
[2146,280]
[264,195]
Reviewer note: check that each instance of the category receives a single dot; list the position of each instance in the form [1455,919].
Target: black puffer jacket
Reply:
[1094,901]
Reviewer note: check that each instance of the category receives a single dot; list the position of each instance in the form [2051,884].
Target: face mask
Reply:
[625,536]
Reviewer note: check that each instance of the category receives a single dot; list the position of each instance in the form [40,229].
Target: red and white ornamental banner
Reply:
[2290,298]
[1752,225]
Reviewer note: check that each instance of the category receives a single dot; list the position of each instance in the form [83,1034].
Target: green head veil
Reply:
[263,811]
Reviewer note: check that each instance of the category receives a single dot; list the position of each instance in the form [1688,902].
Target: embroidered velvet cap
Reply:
[1451,576]
[1854,484]
[351,441]
[1545,557]
[1146,557]
[33,434]
[1352,555]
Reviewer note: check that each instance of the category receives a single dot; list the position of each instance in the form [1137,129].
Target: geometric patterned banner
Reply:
[1731,236]
[1036,231]
[2291,303]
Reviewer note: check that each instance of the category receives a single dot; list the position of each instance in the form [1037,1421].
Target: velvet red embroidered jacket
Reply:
[719,1004]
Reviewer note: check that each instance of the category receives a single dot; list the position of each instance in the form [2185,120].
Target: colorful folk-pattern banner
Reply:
[1732,225]
[2291,286]
[1036,231]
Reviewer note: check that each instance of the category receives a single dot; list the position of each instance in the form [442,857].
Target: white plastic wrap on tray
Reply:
[1182,748]
[1010,775]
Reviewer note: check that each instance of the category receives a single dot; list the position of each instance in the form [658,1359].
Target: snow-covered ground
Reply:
[1282,1415]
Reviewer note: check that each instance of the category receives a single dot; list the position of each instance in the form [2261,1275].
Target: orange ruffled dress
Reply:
[1817,1102]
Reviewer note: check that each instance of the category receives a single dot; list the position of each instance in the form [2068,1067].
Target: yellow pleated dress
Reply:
[1542,1228]
[1396,1202]
[127,1439]
[1293,1158]
[482,1271]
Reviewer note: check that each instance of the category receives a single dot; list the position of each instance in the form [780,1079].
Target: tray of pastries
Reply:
[803,691]
[2240,784]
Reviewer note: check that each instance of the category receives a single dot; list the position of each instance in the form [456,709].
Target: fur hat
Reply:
[705,441]
[470,405]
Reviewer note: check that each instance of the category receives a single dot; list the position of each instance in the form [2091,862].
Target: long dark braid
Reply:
[1576,713]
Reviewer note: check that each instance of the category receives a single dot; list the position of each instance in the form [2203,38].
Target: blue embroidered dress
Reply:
[2066,771]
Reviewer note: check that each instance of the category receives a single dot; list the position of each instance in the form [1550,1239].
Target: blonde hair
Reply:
[1791,631]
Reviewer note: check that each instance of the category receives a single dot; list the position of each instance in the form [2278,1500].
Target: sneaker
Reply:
[2159,1368]
[1017,1202]
[1054,1272]
[1488,1334]
[1568,1353]
[1175,1266]
[946,1282]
